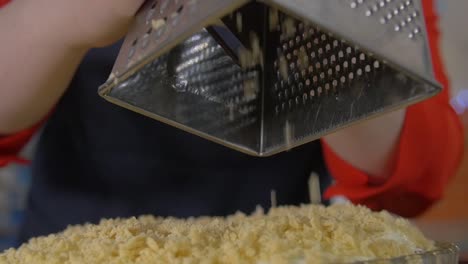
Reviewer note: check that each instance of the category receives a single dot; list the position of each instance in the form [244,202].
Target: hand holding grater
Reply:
[266,76]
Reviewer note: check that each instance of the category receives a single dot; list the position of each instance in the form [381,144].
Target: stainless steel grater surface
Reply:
[265,76]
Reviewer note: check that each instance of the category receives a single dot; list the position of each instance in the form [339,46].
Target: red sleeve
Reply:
[428,155]
[3,2]
[11,145]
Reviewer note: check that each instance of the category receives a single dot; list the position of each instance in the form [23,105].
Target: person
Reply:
[95,160]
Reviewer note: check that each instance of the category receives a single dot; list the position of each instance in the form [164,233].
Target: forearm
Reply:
[36,66]
[370,146]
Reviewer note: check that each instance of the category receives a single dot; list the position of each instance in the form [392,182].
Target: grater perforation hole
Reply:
[319,91]
[359,72]
[338,68]
[340,54]
[298,40]
[345,65]
[295,53]
[292,66]
[349,50]
[325,62]
[318,65]
[362,57]
[301,87]
[323,37]
[336,43]
[335,83]
[367,69]
[296,76]
[343,80]
[376,64]
[383,20]
[180,9]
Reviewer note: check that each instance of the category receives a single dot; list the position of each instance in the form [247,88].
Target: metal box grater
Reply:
[265,76]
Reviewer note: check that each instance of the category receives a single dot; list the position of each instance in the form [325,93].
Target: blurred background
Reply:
[447,220]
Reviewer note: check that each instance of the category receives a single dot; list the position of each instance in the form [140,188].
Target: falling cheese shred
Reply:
[306,234]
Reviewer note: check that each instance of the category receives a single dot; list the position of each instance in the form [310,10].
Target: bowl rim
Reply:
[442,248]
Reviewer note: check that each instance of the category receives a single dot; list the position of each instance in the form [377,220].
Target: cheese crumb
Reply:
[158,23]
[305,234]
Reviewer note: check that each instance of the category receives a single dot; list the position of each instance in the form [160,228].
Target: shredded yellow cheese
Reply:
[289,235]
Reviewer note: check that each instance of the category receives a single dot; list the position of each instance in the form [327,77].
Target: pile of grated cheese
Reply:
[289,235]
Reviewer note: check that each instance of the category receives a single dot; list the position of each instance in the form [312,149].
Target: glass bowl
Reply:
[445,253]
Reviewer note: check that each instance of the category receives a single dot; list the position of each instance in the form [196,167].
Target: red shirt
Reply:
[429,151]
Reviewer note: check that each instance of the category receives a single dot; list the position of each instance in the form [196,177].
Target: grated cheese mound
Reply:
[289,235]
